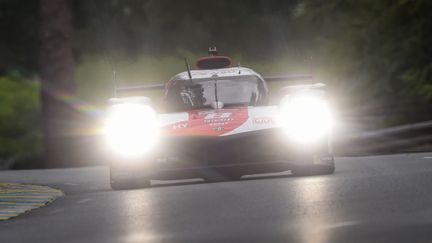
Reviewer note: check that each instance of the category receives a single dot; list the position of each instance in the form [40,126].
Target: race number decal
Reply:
[210,122]
[217,115]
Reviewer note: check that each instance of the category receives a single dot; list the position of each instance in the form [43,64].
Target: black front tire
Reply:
[118,182]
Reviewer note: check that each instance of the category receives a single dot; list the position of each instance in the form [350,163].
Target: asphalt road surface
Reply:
[368,199]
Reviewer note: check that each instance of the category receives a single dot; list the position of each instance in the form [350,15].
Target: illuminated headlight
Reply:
[305,117]
[131,129]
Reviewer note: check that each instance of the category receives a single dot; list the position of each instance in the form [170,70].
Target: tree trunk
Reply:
[57,75]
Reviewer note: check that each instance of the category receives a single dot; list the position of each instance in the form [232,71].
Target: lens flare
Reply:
[305,118]
[131,129]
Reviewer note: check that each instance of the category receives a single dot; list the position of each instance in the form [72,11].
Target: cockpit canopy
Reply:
[228,91]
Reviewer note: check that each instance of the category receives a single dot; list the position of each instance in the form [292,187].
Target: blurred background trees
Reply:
[59,118]
[374,54]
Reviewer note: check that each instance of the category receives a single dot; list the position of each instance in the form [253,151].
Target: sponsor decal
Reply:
[180,125]
[263,121]
[210,122]
[217,115]
[222,73]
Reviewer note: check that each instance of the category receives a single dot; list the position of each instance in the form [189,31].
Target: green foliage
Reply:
[377,52]
[160,27]
[18,24]
[20,133]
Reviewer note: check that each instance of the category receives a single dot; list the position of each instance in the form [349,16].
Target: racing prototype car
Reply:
[218,125]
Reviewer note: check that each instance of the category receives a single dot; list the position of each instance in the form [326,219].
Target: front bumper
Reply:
[252,152]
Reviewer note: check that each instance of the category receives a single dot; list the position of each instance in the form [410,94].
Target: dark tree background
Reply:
[376,55]
[56,68]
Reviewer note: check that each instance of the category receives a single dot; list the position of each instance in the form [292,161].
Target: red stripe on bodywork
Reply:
[209,122]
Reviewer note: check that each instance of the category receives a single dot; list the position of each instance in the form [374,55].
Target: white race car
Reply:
[219,125]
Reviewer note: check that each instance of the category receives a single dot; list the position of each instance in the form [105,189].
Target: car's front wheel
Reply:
[121,179]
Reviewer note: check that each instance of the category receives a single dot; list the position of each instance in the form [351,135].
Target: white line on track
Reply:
[342,224]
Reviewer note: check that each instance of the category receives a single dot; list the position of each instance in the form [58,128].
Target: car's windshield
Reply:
[229,91]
